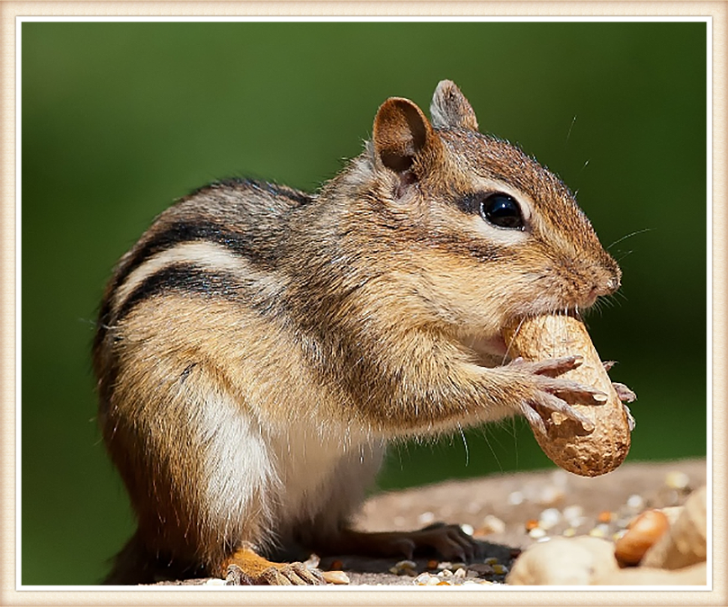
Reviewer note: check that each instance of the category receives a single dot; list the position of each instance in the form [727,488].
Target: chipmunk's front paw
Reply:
[449,541]
[548,393]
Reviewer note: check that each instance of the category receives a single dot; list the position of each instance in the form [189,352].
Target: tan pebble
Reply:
[422,579]
[516,498]
[635,501]
[433,581]
[573,512]
[598,531]
[215,582]
[677,480]
[426,518]
[336,577]
[569,532]
[467,529]
[445,574]
[550,495]
[537,533]
[549,518]
[492,524]
[460,573]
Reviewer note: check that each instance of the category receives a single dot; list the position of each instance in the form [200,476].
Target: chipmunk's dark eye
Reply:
[503,211]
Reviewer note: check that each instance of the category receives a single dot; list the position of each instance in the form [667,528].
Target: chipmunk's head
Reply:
[497,235]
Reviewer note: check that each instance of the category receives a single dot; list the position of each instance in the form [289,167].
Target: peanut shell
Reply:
[568,444]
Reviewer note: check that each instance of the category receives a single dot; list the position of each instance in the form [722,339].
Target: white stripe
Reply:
[205,255]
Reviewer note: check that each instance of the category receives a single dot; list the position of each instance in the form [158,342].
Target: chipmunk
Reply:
[258,347]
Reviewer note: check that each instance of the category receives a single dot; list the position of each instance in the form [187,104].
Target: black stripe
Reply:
[185,278]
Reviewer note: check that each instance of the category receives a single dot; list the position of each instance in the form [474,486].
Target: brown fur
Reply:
[313,329]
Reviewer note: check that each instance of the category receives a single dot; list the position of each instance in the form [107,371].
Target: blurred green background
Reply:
[120,119]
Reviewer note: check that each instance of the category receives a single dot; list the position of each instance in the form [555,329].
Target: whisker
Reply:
[629,236]
[571,126]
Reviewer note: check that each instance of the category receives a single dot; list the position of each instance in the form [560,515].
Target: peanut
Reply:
[582,451]
[642,534]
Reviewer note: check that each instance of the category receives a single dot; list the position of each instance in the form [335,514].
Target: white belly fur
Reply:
[272,483]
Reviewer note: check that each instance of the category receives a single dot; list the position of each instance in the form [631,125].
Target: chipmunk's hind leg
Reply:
[247,567]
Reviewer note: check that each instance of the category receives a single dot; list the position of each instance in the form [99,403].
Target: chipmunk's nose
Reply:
[605,286]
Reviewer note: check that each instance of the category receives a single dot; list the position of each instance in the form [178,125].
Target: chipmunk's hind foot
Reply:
[247,568]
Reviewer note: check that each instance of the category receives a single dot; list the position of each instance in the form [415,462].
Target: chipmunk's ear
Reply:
[450,108]
[401,134]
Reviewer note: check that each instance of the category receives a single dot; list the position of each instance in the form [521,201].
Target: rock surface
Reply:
[527,507]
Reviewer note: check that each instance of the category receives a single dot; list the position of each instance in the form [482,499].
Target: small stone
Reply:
[550,495]
[537,532]
[482,568]
[677,480]
[467,529]
[215,582]
[598,531]
[636,502]
[491,560]
[460,573]
[549,518]
[569,532]
[516,498]
[426,518]
[422,579]
[500,569]
[491,524]
[404,568]
[336,577]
